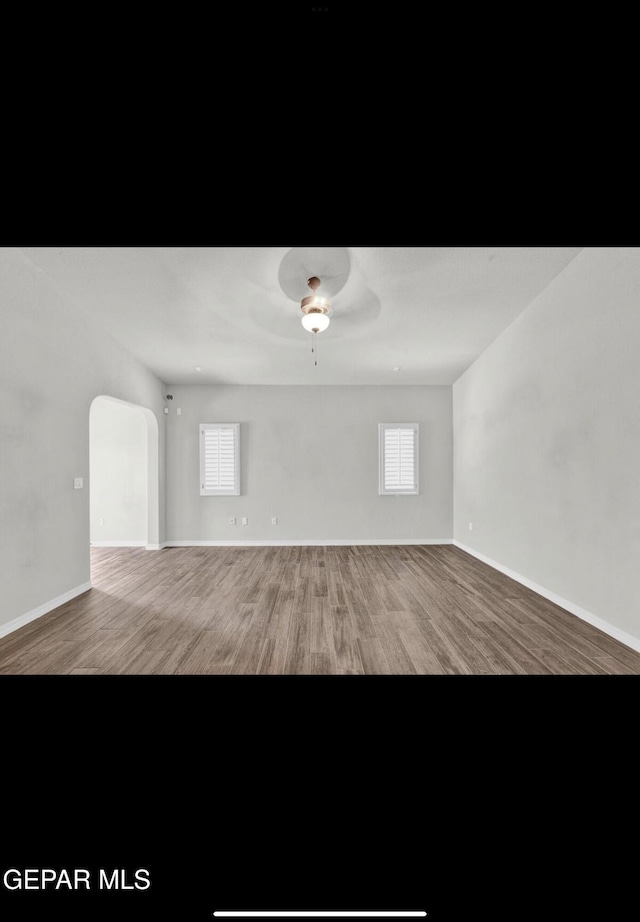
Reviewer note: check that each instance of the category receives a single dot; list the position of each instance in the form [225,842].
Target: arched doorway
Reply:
[124,474]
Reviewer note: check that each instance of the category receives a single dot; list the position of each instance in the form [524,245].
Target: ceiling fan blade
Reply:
[270,313]
[365,308]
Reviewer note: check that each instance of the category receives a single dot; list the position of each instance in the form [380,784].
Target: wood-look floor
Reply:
[310,610]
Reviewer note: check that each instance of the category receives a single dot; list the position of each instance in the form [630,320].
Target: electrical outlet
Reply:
[78,483]
[179,412]
[232,521]
[102,521]
[245,521]
[470,526]
[274,521]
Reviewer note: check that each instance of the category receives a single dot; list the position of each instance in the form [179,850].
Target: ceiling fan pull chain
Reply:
[315,348]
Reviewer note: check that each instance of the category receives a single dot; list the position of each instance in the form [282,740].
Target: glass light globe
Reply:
[313,322]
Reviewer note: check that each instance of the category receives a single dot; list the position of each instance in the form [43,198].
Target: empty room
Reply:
[320,460]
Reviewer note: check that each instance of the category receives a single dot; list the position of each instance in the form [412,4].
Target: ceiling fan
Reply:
[326,283]
[316,313]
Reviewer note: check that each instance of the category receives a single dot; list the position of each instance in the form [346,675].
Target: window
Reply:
[398,458]
[220,459]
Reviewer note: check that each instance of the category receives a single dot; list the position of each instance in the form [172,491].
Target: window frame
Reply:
[415,427]
[236,491]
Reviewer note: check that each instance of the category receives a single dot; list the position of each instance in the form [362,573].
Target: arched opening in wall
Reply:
[123,475]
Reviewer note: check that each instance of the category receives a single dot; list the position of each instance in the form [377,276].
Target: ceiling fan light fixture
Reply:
[316,310]
[315,321]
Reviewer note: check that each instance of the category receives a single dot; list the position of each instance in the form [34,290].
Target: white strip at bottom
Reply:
[41,610]
[627,639]
[340,542]
[148,547]
[305,914]
[118,544]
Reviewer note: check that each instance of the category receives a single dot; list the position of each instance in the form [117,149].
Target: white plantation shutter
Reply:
[398,458]
[220,459]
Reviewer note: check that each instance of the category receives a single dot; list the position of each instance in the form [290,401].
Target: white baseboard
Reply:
[41,610]
[120,544]
[627,639]
[148,547]
[355,542]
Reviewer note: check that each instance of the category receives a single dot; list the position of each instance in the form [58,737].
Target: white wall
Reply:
[310,457]
[547,440]
[118,473]
[53,362]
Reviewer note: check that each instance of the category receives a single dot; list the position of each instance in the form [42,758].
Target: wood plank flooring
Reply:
[309,611]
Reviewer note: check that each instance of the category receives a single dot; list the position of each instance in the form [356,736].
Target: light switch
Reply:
[78,483]
[179,412]
[245,521]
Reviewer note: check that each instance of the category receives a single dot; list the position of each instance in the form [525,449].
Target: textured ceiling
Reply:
[230,310]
